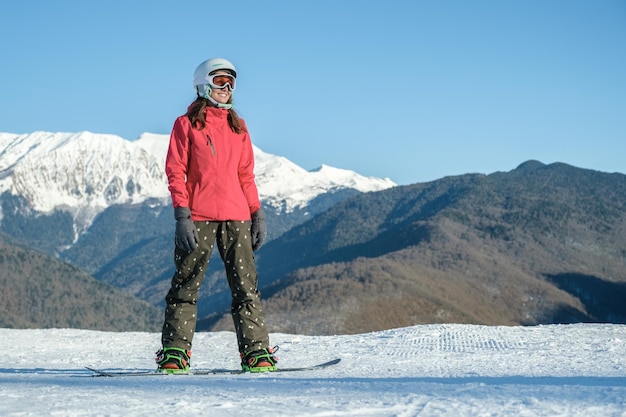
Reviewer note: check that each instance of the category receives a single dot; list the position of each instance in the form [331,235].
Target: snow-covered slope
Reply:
[86,172]
[281,183]
[431,370]
[78,170]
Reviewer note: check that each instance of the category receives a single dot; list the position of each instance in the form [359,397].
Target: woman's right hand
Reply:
[186,236]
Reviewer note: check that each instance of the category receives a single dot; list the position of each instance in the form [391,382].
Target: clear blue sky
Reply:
[413,90]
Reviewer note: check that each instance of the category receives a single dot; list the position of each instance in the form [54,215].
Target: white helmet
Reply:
[202,79]
[201,75]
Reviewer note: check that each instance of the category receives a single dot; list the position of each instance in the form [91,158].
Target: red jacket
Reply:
[211,171]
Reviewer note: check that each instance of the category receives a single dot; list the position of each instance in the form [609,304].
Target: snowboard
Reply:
[102,372]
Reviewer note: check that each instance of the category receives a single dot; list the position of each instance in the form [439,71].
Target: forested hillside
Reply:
[539,244]
[39,291]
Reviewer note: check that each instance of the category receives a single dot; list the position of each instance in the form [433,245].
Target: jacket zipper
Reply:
[210,143]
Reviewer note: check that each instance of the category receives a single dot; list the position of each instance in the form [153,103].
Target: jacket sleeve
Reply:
[246,174]
[176,163]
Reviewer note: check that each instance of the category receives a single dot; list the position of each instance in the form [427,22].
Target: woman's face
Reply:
[221,95]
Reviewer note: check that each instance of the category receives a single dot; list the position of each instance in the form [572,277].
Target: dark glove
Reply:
[258,229]
[186,236]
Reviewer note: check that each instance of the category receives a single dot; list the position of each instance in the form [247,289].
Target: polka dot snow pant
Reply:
[235,248]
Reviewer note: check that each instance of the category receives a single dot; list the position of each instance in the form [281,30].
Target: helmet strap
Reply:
[205,90]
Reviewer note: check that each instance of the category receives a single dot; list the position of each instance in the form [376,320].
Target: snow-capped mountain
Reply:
[84,173]
[281,183]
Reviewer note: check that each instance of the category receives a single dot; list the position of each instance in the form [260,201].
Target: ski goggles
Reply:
[220,81]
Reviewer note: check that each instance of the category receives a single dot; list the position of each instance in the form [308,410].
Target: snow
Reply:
[426,370]
[78,172]
[87,172]
[283,184]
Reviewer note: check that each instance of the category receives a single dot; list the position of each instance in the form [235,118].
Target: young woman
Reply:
[209,167]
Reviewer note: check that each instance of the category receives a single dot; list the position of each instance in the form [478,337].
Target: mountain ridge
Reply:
[84,173]
[539,244]
[101,203]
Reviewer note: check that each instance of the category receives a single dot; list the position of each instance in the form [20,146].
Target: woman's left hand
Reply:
[258,229]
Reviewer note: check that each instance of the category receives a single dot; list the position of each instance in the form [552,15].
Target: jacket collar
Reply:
[215,112]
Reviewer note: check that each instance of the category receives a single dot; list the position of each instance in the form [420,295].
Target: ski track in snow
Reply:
[428,370]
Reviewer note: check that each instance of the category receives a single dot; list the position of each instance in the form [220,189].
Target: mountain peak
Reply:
[87,172]
[530,165]
[283,184]
[79,170]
